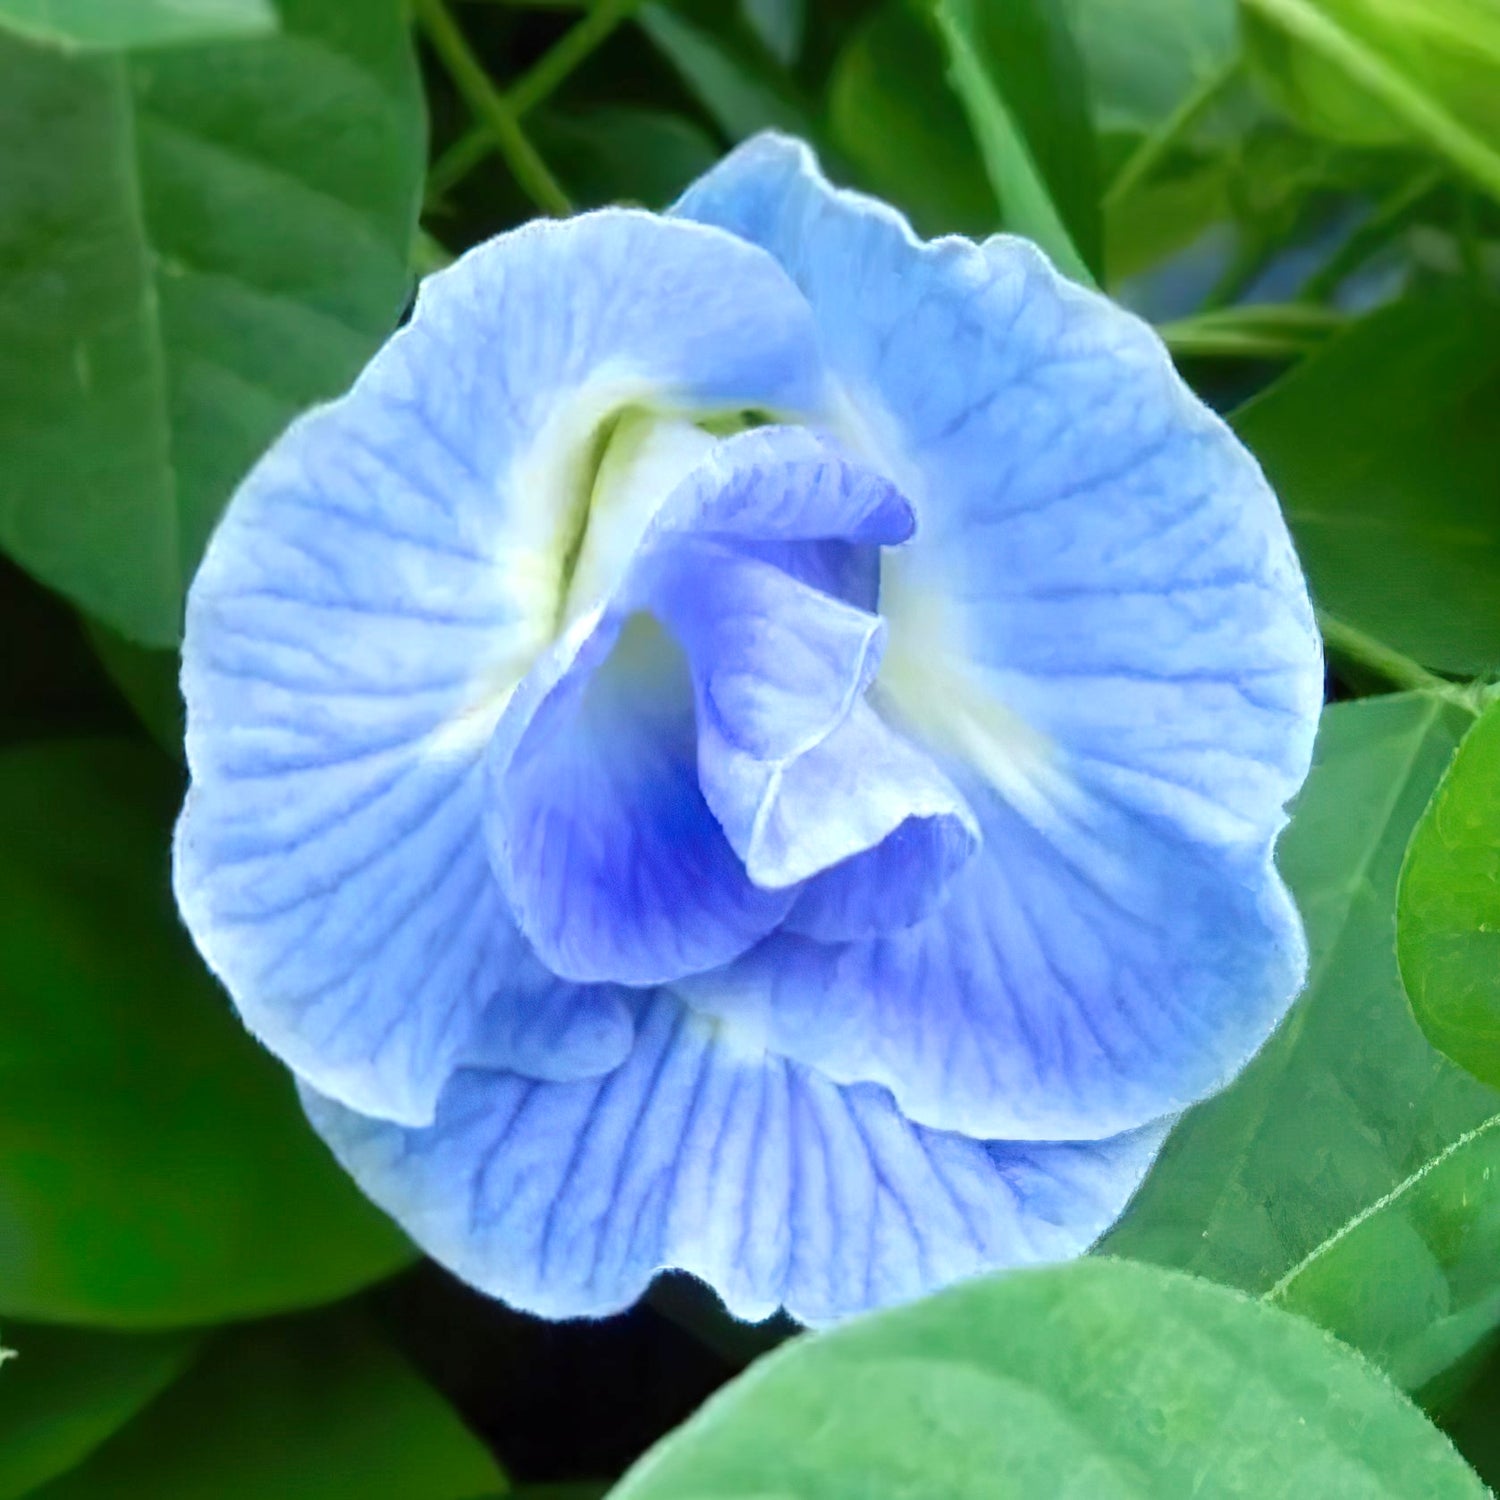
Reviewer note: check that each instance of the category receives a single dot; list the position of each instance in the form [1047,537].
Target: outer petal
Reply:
[1101,626]
[762,1178]
[1090,538]
[1085,972]
[379,584]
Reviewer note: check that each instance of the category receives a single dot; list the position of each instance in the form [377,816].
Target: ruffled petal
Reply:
[1086,971]
[612,863]
[376,589]
[765,1180]
[1101,631]
[786,484]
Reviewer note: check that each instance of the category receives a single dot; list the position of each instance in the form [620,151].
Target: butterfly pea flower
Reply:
[751,743]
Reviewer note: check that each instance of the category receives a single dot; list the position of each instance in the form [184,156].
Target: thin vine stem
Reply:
[1152,151]
[585,36]
[536,85]
[1392,666]
[490,107]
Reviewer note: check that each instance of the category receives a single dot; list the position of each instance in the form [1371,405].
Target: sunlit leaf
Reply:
[107,24]
[1347,1109]
[1422,68]
[1448,917]
[1100,1379]
[1385,450]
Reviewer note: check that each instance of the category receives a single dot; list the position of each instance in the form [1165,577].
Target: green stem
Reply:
[541,80]
[1424,113]
[1264,331]
[457,161]
[490,107]
[1387,219]
[1352,644]
[1152,151]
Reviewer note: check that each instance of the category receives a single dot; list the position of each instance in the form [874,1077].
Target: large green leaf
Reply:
[65,1391]
[1018,74]
[1099,1379]
[621,154]
[1413,1281]
[1145,58]
[194,244]
[1385,450]
[135,23]
[741,91]
[307,1409]
[895,118]
[1448,915]
[1371,70]
[154,1166]
[1347,1109]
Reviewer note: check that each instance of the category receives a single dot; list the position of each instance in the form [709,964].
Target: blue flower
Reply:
[751,743]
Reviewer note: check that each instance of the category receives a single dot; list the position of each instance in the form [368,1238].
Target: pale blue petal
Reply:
[800,773]
[765,1180]
[839,798]
[1086,972]
[1101,630]
[899,881]
[552,1030]
[378,586]
[1105,559]
[612,863]
[787,484]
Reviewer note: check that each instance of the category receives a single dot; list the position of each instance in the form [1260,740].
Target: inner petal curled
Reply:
[695,757]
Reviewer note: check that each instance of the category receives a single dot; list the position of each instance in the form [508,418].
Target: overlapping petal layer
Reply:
[682,761]
[376,589]
[821,856]
[773,1185]
[1101,631]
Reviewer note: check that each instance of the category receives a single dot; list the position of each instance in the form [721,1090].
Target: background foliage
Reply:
[212,211]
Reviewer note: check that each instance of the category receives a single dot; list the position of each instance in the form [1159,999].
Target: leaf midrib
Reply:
[123,89]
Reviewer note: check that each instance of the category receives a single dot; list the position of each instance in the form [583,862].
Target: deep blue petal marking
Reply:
[613,864]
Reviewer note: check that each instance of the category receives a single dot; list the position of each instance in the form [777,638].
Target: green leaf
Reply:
[1145,58]
[1448,912]
[1100,1379]
[65,1391]
[740,95]
[1384,449]
[195,243]
[1428,66]
[304,1409]
[1017,72]
[105,24]
[147,680]
[1347,1110]
[1413,1281]
[894,117]
[154,1166]
[1474,1424]
[622,154]
[779,24]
